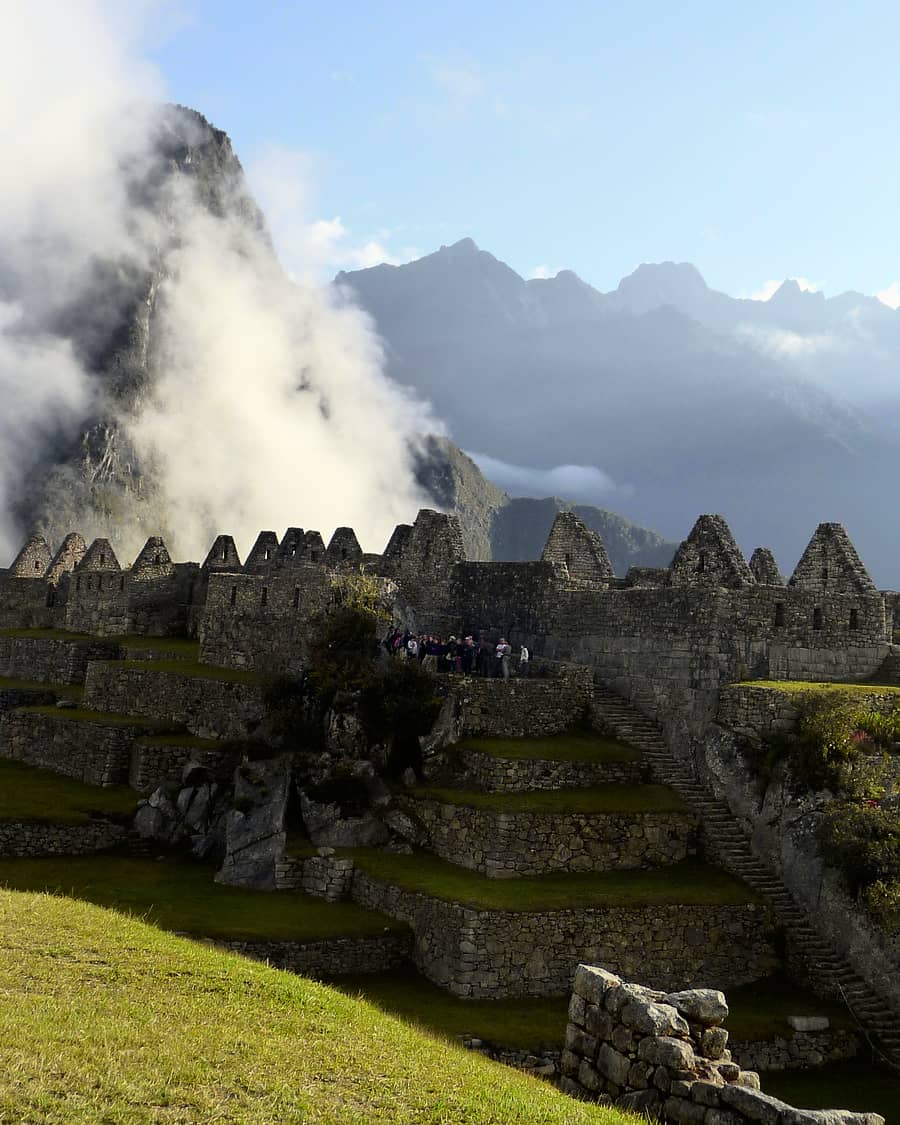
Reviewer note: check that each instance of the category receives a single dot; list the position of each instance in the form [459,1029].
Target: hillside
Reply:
[498,526]
[113,1020]
[682,399]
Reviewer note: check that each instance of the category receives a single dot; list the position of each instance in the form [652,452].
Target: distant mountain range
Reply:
[779,414]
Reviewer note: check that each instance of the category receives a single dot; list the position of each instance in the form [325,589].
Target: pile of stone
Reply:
[665,1055]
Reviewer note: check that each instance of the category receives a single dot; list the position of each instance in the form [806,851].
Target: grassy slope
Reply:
[683,883]
[578,747]
[106,1019]
[525,1023]
[27,793]
[603,799]
[102,718]
[183,897]
[65,691]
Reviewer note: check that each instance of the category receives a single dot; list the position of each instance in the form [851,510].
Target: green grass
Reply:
[182,896]
[577,747]
[760,1010]
[184,647]
[64,691]
[191,669]
[526,1024]
[106,719]
[793,687]
[27,793]
[851,1085]
[684,883]
[603,799]
[104,1019]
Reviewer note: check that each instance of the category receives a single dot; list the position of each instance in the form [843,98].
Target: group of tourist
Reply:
[465,655]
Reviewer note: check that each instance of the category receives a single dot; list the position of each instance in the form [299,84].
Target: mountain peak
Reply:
[464,248]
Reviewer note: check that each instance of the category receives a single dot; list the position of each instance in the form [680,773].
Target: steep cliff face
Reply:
[90,475]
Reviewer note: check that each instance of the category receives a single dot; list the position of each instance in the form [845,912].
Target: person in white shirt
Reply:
[524,658]
[503,654]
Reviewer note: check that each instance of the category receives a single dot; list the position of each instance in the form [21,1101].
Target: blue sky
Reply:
[757,141]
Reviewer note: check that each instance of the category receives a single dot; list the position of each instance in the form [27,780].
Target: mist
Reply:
[266,404]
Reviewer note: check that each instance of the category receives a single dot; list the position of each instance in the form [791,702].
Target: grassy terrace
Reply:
[571,747]
[27,793]
[185,741]
[103,1018]
[524,1023]
[794,687]
[103,718]
[56,635]
[691,884]
[181,645]
[182,896]
[190,668]
[603,799]
[64,691]
[760,1010]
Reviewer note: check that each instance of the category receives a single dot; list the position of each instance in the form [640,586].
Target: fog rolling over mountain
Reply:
[683,400]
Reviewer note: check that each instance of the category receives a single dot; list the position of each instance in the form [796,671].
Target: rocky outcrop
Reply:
[254,827]
[666,1056]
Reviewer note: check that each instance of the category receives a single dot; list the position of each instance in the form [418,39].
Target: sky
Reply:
[756,141]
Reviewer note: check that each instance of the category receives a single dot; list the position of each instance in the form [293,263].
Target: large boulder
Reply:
[254,828]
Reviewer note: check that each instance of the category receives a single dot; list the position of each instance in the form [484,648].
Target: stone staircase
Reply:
[828,972]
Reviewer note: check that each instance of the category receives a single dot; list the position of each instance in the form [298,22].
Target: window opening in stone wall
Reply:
[824,573]
[233,595]
[224,554]
[314,555]
[266,554]
[51,597]
[343,552]
[78,583]
[294,551]
[701,562]
[37,565]
[122,582]
[817,618]
[99,581]
[190,593]
[103,560]
[296,597]
[265,595]
[568,558]
[157,559]
[779,614]
[854,618]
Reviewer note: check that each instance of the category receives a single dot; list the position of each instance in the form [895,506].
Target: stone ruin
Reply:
[665,1056]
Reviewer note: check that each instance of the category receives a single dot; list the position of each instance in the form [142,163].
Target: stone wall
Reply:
[89,751]
[515,775]
[324,875]
[490,954]
[804,1050]
[153,762]
[665,1055]
[758,714]
[207,707]
[523,708]
[508,845]
[37,838]
[329,957]
[51,661]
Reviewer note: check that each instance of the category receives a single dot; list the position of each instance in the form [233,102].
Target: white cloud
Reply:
[769,288]
[542,273]
[890,296]
[312,249]
[462,82]
[785,344]
[586,483]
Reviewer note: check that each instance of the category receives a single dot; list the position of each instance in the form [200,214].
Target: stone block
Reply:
[809,1023]
[588,1076]
[645,1103]
[592,983]
[580,1042]
[753,1104]
[569,1063]
[705,1093]
[577,1009]
[648,1018]
[713,1042]
[706,1005]
[639,1075]
[613,1065]
[674,1054]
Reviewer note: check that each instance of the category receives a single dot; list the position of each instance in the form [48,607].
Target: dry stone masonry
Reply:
[665,1055]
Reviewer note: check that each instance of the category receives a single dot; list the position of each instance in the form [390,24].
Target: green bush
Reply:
[824,744]
[882,902]
[862,841]
[883,730]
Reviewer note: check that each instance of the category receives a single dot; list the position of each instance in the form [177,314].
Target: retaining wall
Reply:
[523,708]
[515,775]
[89,751]
[490,954]
[329,957]
[37,838]
[509,845]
